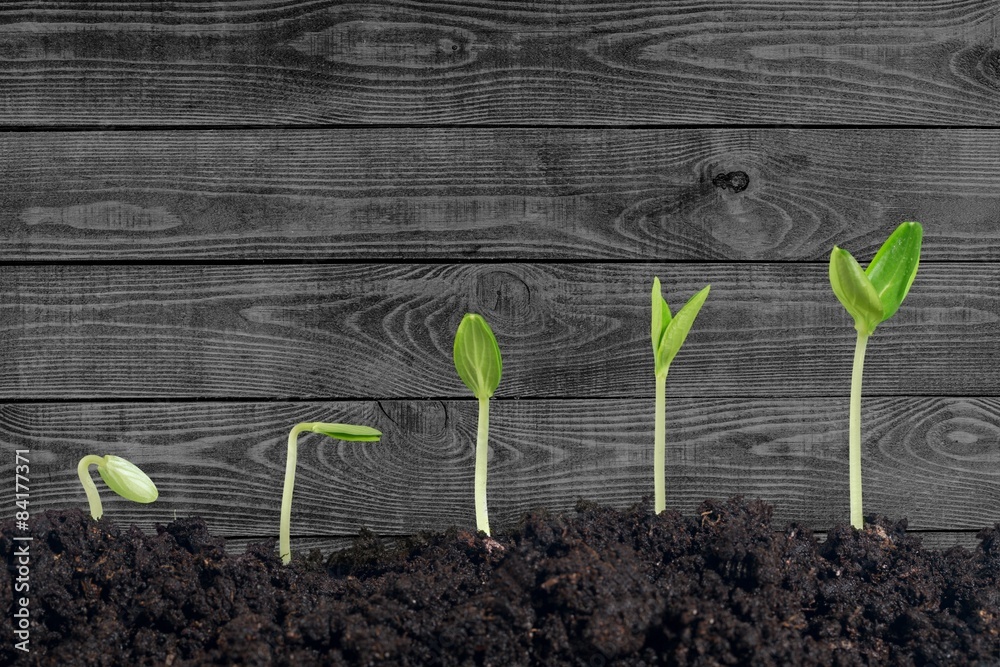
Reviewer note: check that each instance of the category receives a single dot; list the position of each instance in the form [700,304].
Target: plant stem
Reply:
[482,454]
[83,470]
[857,517]
[659,444]
[284,531]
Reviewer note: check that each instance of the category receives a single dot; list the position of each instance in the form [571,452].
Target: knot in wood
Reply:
[737,181]
[992,65]
[502,296]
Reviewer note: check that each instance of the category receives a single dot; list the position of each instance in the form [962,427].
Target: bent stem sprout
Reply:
[478,363]
[872,296]
[668,334]
[121,476]
[347,432]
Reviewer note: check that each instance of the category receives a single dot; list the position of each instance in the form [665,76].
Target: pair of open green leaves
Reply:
[873,295]
[669,332]
[477,356]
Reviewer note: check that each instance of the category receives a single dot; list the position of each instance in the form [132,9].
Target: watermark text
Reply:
[22,552]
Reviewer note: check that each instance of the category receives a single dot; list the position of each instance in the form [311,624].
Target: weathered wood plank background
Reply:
[566,331]
[220,219]
[459,193]
[223,457]
[557,61]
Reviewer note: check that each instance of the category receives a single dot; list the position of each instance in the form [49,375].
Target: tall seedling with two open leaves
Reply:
[872,296]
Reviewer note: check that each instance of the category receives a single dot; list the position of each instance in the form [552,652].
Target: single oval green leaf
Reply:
[477,356]
[125,479]
[895,266]
[660,315]
[348,432]
[677,331]
[855,291]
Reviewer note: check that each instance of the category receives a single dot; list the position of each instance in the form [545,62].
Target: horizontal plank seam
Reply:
[305,261]
[187,127]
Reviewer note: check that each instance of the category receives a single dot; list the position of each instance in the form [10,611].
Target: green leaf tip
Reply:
[895,266]
[855,291]
[477,356]
[348,432]
[125,479]
[661,315]
[669,333]
[874,295]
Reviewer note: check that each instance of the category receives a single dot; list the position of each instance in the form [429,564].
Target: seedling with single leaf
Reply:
[668,334]
[478,363]
[347,432]
[121,476]
[872,296]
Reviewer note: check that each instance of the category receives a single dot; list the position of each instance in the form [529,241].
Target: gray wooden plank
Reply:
[390,193]
[560,61]
[931,460]
[565,330]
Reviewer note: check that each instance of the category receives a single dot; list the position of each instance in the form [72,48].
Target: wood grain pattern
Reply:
[932,460]
[495,193]
[565,330]
[559,61]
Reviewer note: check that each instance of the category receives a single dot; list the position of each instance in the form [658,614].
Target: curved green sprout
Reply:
[122,477]
[478,363]
[347,432]
[668,334]
[872,296]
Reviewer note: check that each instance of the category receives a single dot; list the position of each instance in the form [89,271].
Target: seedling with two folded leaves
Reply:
[668,334]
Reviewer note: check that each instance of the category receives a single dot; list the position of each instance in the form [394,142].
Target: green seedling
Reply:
[478,362]
[668,334]
[122,477]
[872,296]
[347,432]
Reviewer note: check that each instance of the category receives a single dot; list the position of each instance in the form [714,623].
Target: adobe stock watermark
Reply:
[22,553]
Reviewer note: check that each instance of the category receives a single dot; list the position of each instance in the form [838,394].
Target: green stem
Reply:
[659,444]
[857,517]
[482,454]
[284,531]
[83,470]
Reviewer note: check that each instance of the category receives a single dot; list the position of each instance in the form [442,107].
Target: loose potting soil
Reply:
[599,587]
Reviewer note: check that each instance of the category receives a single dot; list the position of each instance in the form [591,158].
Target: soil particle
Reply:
[599,587]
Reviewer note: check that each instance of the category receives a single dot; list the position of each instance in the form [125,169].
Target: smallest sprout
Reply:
[121,476]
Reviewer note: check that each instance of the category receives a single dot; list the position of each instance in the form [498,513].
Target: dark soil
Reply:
[601,587]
